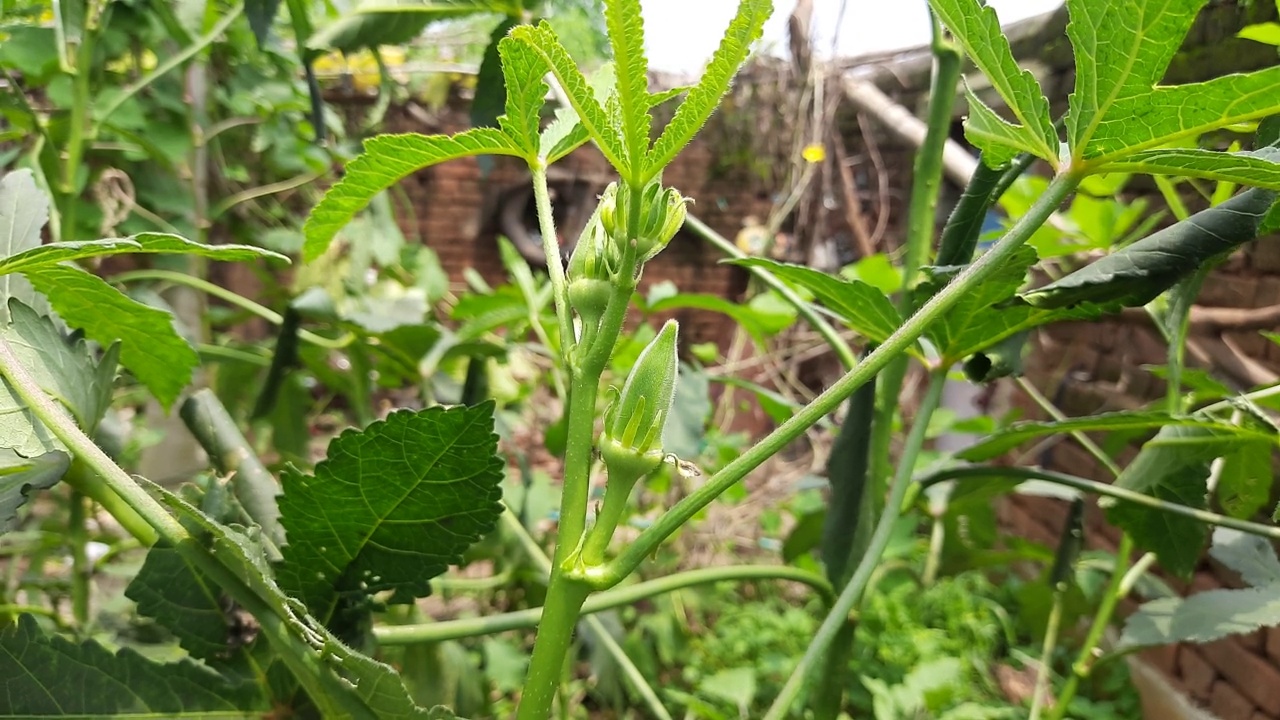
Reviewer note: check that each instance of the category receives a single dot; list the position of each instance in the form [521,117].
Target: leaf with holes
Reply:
[150,346]
[390,507]
[977,28]
[386,160]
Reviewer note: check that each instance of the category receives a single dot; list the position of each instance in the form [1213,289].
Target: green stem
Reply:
[806,310]
[1097,488]
[926,184]
[1083,665]
[555,633]
[616,494]
[1085,441]
[81,572]
[806,417]
[233,298]
[543,564]
[838,618]
[256,489]
[1046,656]
[618,597]
[555,264]
[169,63]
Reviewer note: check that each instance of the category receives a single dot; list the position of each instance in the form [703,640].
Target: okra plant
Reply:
[395,503]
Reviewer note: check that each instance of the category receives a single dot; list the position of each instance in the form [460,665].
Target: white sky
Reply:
[682,34]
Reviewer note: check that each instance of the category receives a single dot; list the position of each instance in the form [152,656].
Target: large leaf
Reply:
[1127,421]
[184,601]
[49,676]
[590,110]
[396,22]
[150,346]
[1122,49]
[385,161]
[64,369]
[626,36]
[863,307]
[1174,466]
[24,210]
[20,475]
[703,98]
[1245,480]
[142,243]
[977,28]
[1240,168]
[1136,274]
[1203,617]
[391,507]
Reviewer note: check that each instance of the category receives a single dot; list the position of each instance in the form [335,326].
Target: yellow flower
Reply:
[814,153]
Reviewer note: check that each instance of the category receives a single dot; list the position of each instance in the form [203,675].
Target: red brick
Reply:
[1258,679]
[1196,672]
[1164,658]
[1273,643]
[1228,704]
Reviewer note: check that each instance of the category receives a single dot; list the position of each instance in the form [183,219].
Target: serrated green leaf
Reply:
[385,161]
[1241,168]
[150,346]
[1174,466]
[49,676]
[1139,272]
[999,140]
[745,28]
[591,113]
[1122,49]
[522,72]
[1251,556]
[61,368]
[626,36]
[396,22]
[1018,433]
[142,243]
[1203,617]
[863,307]
[565,133]
[24,210]
[391,507]
[1167,114]
[20,475]
[977,28]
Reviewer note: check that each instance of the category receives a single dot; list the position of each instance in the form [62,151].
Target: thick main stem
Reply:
[830,399]
[852,592]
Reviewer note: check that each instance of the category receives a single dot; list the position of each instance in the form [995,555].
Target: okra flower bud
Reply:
[632,443]
[661,215]
[591,270]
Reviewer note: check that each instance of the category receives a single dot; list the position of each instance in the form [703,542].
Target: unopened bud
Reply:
[661,215]
[632,442]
